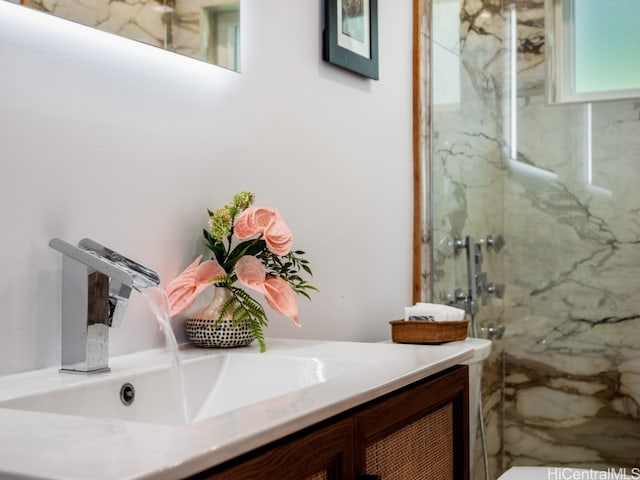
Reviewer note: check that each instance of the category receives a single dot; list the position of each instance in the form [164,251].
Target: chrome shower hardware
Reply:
[478,286]
[461,300]
[491,331]
[487,288]
[468,301]
[458,244]
[494,243]
[496,289]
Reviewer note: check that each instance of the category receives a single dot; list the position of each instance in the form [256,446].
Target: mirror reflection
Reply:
[208,30]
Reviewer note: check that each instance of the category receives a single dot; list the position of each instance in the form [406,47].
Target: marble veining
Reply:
[560,182]
[175,27]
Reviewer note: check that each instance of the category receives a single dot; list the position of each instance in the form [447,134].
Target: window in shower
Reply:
[592,50]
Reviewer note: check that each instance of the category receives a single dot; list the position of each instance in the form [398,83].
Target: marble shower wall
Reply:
[468,177]
[563,385]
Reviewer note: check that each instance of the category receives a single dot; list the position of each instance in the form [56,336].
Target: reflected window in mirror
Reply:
[221,35]
[207,30]
[592,47]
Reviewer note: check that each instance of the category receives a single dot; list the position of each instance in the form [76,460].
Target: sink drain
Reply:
[127,394]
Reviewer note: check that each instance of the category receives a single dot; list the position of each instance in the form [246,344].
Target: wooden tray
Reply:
[412,331]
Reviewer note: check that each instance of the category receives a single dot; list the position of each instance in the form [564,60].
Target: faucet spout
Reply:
[96,285]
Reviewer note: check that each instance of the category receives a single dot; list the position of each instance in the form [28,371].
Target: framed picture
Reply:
[350,37]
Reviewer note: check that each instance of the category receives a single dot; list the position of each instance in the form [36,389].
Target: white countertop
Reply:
[36,445]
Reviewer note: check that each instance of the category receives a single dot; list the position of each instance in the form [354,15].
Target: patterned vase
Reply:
[202,330]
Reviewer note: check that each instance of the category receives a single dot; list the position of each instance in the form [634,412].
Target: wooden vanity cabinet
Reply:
[420,432]
[316,453]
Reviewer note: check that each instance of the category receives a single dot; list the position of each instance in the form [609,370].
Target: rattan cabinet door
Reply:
[420,433]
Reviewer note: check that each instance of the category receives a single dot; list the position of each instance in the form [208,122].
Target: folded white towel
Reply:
[433,312]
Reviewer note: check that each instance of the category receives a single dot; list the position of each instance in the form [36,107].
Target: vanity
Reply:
[415,432]
[305,409]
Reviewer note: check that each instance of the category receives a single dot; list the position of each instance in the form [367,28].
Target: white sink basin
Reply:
[76,427]
[213,384]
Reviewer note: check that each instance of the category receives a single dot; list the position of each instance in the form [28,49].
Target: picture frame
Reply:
[350,36]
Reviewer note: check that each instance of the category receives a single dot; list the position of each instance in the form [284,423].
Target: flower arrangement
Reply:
[252,245]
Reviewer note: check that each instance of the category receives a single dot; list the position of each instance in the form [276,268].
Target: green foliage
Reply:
[245,310]
[248,247]
[289,268]
[256,331]
[218,248]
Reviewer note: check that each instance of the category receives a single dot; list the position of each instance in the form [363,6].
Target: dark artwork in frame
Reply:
[350,37]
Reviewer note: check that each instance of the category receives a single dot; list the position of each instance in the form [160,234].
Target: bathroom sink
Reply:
[213,384]
[237,400]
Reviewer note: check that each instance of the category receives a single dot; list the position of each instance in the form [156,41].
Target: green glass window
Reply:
[594,50]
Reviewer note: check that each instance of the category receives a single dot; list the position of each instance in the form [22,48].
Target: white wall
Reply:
[127,144]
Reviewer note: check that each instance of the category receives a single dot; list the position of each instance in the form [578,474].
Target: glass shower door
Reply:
[562,387]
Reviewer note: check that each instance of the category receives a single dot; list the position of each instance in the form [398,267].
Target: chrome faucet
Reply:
[96,284]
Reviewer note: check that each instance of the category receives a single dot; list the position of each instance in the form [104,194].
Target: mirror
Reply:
[207,30]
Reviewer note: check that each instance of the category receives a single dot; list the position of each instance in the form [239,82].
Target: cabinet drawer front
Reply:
[421,450]
[321,454]
[419,433]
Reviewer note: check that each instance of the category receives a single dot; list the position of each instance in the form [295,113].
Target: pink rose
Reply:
[183,290]
[281,297]
[268,222]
